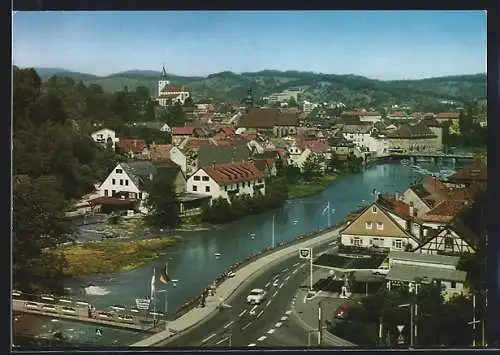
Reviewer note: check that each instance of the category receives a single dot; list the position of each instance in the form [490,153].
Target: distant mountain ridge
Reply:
[317,87]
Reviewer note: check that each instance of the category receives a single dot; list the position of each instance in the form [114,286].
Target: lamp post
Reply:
[412,329]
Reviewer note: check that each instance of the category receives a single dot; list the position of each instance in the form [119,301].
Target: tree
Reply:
[189,102]
[311,169]
[292,102]
[162,200]
[333,163]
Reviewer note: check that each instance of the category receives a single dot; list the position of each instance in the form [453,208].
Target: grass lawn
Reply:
[113,255]
[305,189]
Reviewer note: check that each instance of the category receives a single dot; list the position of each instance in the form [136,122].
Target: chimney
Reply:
[397,196]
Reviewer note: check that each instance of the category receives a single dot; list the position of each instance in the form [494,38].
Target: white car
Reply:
[256,296]
[381,271]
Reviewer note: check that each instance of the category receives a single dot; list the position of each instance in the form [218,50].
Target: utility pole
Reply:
[474,318]
[272,240]
[311,268]
[320,314]
[412,333]
[381,331]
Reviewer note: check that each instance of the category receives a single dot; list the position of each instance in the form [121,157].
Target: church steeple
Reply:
[163,73]
[163,82]
[249,99]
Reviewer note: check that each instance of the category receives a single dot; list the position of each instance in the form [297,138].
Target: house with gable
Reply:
[156,125]
[227,180]
[161,153]
[128,180]
[297,154]
[106,137]
[170,93]
[475,173]
[425,195]
[236,153]
[376,227]
[453,238]
[179,134]
[135,148]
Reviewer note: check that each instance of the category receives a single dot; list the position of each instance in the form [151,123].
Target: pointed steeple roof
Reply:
[163,72]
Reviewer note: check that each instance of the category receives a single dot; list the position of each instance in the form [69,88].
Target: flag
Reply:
[164,275]
[326,208]
[153,284]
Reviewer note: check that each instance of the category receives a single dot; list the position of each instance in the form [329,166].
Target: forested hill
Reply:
[352,90]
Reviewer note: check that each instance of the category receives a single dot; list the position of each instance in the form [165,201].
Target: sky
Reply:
[386,45]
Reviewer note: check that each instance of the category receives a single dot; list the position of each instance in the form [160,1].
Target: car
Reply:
[381,271]
[256,296]
[342,312]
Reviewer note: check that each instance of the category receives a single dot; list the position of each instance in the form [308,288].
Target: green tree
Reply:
[292,102]
[189,102]
[162,200]
[311,169]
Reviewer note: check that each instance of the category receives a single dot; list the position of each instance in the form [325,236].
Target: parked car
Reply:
[256,296]
[383,270]
[342,312]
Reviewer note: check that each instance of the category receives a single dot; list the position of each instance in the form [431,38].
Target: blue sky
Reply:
[378,44]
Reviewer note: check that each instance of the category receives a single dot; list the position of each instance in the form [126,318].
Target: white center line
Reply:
[207,339]
[260,313]
[284,318]
[253,344]
[271,331]
[267,284]
[222,340]
[280,286]
[274,294]
[287,278]
[277,325]
[252,311]
[284,270]
[295,271]
[242,313]
[228,324]
[296,264]
[246,326]
[288,313]
[262,338]
[268,303]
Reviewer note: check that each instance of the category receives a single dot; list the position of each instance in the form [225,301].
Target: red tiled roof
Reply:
[450,115]
[105,200]
[444,211]
[249,135]
[228,130]
[368,113]
[286,119]
[173,88]
[475,171]
[132,145]
[167,95]
[397,114]
[160,152]
[233,173]
[317,146]
[197,143]
[260,118]
[396,206]
[434,186]
[182,131]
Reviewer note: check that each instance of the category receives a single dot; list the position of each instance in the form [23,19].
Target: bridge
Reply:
[75,310]
[434,156]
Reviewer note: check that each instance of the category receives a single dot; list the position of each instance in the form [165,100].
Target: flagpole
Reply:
[273,233]
[154,298]
[166,307]
[328,214]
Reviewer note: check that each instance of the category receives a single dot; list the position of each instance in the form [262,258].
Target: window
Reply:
[357,241]
[225,188]
[126,182]
[259,181]
[119,171]
[140,195]
[448,242]
[112,181]
[205,178]
[248,183]
[195,188]
[368,225]
[380,226]
[374,209]
[113,192]
[397,244]
[453,284]
[207,188]
[105,192]
[238,185]
[121,182]
[196,178]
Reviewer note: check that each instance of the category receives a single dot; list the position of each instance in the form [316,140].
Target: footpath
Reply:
[230,286]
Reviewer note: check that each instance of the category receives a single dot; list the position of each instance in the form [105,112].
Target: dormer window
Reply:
[374,209]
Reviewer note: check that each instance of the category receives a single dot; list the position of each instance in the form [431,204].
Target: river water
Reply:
[205,254]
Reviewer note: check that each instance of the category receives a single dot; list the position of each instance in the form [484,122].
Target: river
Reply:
[203,255]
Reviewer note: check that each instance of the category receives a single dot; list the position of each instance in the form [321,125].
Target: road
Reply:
[244,325]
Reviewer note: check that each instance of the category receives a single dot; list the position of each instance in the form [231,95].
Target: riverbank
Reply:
[309,189]
[101,257]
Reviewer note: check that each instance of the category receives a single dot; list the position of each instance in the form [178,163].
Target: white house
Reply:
[106,136]
[168,152]
[156,125]
[128,179]
[297,155]
[170,93]
[227,180]
[411,269]
[366,116]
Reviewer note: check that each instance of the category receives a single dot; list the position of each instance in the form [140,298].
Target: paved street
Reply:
[245,324]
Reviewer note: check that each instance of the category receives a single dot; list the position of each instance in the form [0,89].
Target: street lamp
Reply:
[412,329]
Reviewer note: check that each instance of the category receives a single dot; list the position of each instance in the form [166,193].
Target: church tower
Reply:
[163,82]
[249,100]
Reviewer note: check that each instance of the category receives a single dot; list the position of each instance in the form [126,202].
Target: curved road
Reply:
[245,325]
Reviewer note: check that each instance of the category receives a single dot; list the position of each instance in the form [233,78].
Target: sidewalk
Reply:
[306,311]
[228,287]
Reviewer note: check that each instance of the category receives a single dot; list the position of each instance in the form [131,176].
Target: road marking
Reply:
[287,278]
[296,264]
[262,338]
[260,313]
[271,331]
[207,339]
[280,286]
[284,318]
[242,313]
[253,344]
[228,324]
[284,270]
[295,271]
[276,276]
[267,285]
[252,311]
[246,326]
[274,294]
[288,313]
[222,340]
[277,325]
[268,303]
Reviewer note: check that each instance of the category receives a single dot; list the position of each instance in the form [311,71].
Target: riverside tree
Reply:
[162,199]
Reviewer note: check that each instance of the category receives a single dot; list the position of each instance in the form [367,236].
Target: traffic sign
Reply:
[98,332]
[400,328]
[305,253]
[401,339]
[142,303]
